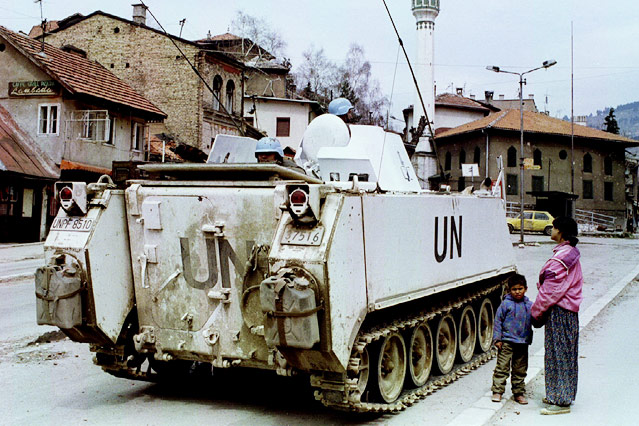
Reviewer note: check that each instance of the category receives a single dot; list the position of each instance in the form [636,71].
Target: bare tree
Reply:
[368,98]
[259,32]
[317,73]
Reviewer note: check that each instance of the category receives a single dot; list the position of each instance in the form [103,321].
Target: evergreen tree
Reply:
[346,91]
[611,122]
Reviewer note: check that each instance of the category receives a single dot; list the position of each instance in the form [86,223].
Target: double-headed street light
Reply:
[522,81]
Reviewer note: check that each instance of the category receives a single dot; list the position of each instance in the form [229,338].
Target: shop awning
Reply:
[19,154]
[74,165]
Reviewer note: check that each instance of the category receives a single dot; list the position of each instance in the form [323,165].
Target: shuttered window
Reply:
[283,126]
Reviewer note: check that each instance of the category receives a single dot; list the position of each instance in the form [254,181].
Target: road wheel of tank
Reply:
[420,355]
[467,334]
[445,344]
[548,230]
[485,321]
[391,367]
[362,372]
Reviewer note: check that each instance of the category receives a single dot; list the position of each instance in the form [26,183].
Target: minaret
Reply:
[425,12]
[425,159]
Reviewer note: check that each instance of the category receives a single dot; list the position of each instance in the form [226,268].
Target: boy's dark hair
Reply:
[516,279]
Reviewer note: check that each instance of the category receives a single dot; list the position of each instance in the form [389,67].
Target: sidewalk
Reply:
[20,260]
[607,371]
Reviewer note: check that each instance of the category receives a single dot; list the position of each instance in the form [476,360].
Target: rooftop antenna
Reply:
[182,22]
[43,25]
[546,103]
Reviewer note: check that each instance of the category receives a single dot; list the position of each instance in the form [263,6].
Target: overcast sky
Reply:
[469,35]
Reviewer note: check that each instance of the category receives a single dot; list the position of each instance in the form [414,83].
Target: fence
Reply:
[591,220]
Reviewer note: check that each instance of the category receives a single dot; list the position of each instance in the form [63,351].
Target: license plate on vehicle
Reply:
[303,237]
[72,224]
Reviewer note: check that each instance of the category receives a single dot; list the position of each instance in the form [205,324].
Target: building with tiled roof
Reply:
[64,117]
[241,48]
[451,110]
[598,158]
[501,103]
[153,63]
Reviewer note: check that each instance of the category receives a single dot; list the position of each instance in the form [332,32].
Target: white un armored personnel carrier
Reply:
[378,291]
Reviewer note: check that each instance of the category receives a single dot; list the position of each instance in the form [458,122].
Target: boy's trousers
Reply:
[515,355]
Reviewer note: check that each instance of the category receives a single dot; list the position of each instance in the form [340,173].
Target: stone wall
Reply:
[150,63]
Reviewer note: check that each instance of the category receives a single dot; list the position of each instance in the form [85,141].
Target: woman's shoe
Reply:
[555,409]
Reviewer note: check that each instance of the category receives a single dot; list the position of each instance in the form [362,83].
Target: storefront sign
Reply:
[33,88]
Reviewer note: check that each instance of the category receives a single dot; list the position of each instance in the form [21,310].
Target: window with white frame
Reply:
[48,119]
[89,125]
[111,132]
[137,136]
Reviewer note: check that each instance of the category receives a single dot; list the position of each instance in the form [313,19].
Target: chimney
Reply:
[488,95]
[139,14]
[460,91]
[531,96]
[501,97]
[472,97]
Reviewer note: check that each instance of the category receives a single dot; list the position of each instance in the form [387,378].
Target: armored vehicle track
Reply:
[390,366]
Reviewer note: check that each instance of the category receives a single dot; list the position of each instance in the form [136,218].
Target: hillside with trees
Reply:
[627,117]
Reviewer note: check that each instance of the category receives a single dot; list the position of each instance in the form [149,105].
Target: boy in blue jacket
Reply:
[512,334]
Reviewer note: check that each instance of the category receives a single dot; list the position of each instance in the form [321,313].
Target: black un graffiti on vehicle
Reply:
[455,238]
[221,250]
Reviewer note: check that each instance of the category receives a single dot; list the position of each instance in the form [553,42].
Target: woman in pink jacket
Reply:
[557,304]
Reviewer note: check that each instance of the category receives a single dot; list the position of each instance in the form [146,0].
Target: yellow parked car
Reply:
[534,221]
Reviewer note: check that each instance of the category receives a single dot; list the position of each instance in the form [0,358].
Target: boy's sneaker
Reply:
[496,397]
[520,399]
[555,409]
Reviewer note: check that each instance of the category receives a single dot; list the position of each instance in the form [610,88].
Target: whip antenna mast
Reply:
[239,127]
[419,93]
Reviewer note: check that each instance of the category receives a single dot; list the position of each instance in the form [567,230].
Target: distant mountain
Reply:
[627,118]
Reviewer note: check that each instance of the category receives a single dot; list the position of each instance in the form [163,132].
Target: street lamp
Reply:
[546,64]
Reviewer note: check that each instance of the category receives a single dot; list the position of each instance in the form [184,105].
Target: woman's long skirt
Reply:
[560,361]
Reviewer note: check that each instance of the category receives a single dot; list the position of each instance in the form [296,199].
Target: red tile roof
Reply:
[535,122]
[20,154]
[79,75]
[36,30]
[225,36]
[458,101]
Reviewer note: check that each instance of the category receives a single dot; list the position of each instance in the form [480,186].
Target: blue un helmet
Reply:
[267,145]
[339,106]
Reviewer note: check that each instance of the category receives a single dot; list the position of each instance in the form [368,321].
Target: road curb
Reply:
[483,410]
[8,278]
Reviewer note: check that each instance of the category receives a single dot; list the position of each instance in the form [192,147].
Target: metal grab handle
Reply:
[143,260]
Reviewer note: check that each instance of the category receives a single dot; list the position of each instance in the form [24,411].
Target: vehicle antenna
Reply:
[239,127]
[390,102]
[419,93]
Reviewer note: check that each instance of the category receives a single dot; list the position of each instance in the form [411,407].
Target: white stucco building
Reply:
[282,118]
